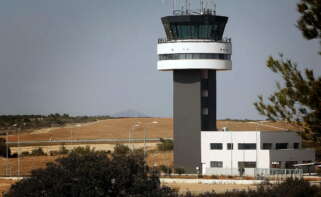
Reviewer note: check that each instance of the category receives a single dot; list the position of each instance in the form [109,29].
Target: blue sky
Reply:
[99,57]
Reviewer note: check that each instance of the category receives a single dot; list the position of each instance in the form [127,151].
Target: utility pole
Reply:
[18,134]
[7,153]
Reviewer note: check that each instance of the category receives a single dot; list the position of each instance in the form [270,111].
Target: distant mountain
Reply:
[130,113]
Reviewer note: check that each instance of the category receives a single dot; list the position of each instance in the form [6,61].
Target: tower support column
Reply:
[187,119]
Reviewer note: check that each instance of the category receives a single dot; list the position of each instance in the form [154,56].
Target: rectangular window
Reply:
[216,164]
[281,145]
[276,164]
[204,93]
[247,164]
[267,146]
[205,111]
[229,146]
[216,146]
[296,145]
[247,146]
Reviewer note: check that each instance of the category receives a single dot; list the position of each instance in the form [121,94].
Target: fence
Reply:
[259,173]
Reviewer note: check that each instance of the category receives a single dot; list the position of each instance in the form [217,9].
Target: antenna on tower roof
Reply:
[201,6]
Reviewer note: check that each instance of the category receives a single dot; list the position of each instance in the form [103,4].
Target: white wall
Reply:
[231,158]
[194,46]
[167,65]
[263,158]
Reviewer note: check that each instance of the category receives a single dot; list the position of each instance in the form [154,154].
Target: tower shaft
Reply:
[194,111]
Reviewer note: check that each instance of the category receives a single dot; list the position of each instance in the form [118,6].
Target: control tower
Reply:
[194,50]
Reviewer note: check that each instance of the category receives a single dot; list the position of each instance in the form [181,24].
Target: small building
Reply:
[251,153]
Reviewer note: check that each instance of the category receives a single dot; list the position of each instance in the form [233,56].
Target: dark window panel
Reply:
[247,164]
[246,146]
[267,146]
[229,146]
[216,146]
[216,164]
[281,146]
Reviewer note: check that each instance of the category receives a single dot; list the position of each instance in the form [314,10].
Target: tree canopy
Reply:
[310,21]
[85,172]
[298,100]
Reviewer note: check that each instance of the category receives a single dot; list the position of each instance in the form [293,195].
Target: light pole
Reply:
[137,124]
[7,154]
[19,152]
[145,134]
[18,148]
[71,137]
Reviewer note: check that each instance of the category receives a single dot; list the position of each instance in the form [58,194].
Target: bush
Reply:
[179,171]
[63,150]
[85,172]
[3,148]
[53,153]
[38,152]
[165,145]
[165,169]
[25,154]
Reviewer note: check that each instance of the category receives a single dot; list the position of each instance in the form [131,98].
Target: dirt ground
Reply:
[182,187]
[27,164]
[201,188]
[123,127]
[5,185]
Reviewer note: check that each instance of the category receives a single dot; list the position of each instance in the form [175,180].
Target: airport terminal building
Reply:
[225,153]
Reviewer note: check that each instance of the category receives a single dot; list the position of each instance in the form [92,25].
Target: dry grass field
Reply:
[197,188]
[27,164]
[155,127]
[120,129]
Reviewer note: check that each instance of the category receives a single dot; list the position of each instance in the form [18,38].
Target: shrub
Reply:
[25,153]
[90,173]
[53,153]
[63,150]
[38,152]
[165,169]
[165,145]
[179,171]
[3,148]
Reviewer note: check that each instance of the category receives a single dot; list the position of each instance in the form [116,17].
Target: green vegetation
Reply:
[88,173]
[165,169]
[3,148]
[310,20]
[25,122]
[38,152]
[298,99]
[179,171]
[165,145]
[85,172]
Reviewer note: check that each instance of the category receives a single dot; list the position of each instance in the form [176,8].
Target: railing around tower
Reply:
[164,40]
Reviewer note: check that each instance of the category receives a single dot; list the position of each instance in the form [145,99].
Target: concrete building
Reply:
[224,153]
[194,50]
